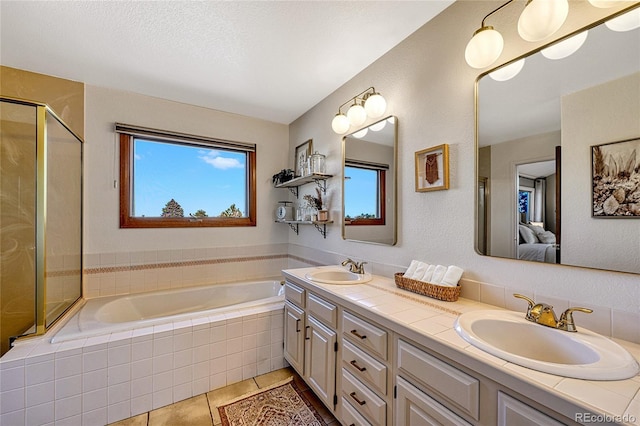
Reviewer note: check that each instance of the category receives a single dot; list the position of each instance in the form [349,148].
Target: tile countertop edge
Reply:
[557,400]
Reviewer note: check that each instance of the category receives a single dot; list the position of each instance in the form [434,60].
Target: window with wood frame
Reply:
[175,180]
[364,187]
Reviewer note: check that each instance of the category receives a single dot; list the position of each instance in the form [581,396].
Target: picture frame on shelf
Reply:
[302,154]
[432,168]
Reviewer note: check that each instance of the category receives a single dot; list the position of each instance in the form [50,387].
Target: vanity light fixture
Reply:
[566,47]
[539,20]
[626,22]
[367,103]
[507,72]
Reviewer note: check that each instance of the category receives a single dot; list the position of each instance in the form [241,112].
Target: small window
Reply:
[170,180]
[364,187]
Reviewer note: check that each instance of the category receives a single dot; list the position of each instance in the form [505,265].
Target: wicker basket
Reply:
[440,292]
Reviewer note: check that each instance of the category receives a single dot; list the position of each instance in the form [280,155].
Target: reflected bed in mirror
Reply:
[535,134]
[369,183]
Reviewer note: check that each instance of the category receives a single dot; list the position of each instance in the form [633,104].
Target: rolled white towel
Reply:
[411,269]
[420,270]
[438,274]
[452,276]
[428,274]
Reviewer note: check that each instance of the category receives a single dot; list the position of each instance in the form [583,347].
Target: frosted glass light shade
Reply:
[361,133]
[375,105]
[508,72]
[542,18]
[566,47]
[484,47]
[356,115]
[378,126]
[340,124]
[627,22]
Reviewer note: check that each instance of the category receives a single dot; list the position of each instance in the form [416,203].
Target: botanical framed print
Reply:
[615,179]
[303,152]
[432,168]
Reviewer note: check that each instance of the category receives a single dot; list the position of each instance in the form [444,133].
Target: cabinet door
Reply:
[294,337]
[416,408]
[514,412]
[320,360]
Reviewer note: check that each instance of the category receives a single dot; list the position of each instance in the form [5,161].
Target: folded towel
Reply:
[438,274]
[411,270]
[420,270]
[452,276]
[428,274]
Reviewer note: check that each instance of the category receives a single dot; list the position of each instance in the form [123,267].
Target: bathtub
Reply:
[113,314]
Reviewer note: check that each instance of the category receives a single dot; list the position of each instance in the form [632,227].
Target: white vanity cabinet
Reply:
[364,377]
[310,343]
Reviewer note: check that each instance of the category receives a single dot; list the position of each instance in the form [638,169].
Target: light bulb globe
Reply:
[603,4]
[566,47]
[484,47]
[626,22]
[507,72]
[375,105]
[541,18]
[376,127]
[340,124]
[361,133]
[356,115]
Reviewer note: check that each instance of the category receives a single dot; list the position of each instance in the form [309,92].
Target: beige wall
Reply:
[430,88]
[586,121]
[65,97]
[105,107]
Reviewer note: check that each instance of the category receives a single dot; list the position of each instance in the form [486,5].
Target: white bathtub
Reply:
[129,312]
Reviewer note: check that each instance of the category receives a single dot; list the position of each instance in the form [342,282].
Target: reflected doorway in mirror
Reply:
[432,168]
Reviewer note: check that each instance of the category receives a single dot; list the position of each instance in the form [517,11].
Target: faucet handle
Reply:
[361,267]
[530,302]
[566,319]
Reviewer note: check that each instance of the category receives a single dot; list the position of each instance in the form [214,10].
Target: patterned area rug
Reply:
[277,405]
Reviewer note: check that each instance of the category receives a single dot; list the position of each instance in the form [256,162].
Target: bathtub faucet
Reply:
[355,267]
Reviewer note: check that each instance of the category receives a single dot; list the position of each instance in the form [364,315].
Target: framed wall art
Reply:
[432,168]
[615,177]
[303,152]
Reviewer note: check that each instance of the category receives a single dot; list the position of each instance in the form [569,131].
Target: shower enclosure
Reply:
[40,219]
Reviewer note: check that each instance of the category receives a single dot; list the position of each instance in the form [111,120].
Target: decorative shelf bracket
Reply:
[294,227]
[322,184]
[322,229]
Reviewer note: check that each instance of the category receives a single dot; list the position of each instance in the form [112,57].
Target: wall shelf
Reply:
[320,180]
[321,226]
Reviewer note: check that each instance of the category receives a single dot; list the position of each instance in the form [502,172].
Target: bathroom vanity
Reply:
[378,355]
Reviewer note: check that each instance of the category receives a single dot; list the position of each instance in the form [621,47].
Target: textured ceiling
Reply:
[266,59]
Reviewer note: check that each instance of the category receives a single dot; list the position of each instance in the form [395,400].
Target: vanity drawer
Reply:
[366,335]
[350,416]
[416,407]
[363,399]
[294,294]
[459,387]
[323,310]
[364,367]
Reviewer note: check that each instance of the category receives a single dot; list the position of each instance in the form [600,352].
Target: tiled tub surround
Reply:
[107,378]
[429,322]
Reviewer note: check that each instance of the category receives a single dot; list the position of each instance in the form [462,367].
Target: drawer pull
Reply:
[353,395]
[355,364]
[358,335]
[305,333]
[297,324]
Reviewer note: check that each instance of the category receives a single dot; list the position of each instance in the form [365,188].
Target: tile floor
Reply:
[202,410]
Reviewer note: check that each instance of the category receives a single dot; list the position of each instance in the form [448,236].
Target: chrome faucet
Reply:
[355,267]
[542,313]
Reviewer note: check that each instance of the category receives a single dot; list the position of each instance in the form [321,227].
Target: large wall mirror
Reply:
[369,157]
[535,137]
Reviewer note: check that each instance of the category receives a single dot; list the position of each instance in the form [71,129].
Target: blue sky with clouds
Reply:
[196,177]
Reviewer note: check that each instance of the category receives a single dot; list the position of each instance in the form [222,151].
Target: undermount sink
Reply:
[581,355]
[338,276]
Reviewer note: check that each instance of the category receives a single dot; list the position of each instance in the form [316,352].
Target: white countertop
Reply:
[618,401]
